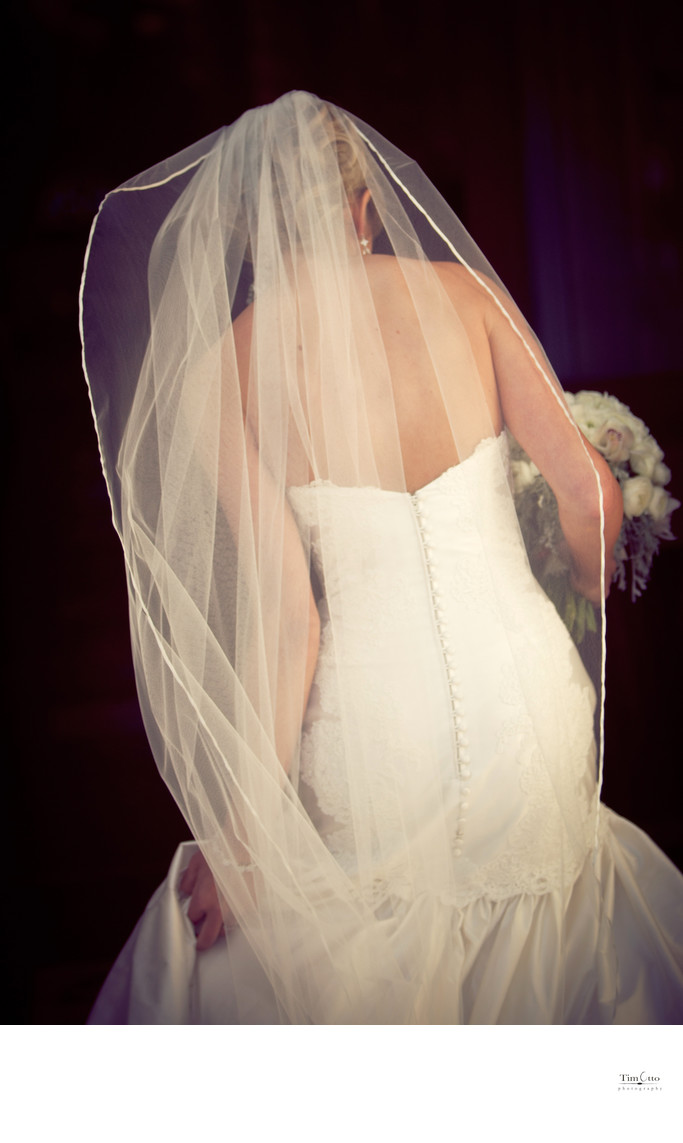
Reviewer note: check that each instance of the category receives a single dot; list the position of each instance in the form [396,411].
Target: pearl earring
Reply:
[365,245]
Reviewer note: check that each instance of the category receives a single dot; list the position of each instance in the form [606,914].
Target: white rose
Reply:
[588,420]
[637,495]
[646,457]
[590,398]
[524,472]
[578,411]
[615,441]
[659,504]
[611,407]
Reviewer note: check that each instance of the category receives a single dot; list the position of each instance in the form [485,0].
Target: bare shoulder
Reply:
[474,297]
[481,294]
[465,285]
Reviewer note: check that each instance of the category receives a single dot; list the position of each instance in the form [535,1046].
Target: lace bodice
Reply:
[447,693]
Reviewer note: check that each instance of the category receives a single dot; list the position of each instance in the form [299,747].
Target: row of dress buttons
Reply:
[459,725]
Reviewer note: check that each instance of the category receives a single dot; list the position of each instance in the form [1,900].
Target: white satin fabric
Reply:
[506,954]
[422,637]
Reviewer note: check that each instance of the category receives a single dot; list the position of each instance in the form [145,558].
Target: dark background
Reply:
[553,129]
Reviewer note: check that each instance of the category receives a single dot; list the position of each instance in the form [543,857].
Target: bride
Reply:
[303,373]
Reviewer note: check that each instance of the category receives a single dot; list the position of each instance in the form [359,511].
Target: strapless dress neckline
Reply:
[481,449]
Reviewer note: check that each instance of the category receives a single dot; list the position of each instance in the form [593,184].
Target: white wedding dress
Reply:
[422,649]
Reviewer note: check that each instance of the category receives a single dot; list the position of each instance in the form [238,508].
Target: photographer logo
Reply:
[639,1081]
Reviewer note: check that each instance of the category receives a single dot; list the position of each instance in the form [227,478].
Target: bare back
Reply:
[432,390]
[440,415]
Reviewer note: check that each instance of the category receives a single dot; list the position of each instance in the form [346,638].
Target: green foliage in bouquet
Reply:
[637,462]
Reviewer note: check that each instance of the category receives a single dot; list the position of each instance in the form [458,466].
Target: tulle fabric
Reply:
[236,349]
[523,960]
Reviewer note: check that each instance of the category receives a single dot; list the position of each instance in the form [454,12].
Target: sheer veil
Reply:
[234,348]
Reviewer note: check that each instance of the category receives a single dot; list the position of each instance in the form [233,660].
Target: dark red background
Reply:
[554,130]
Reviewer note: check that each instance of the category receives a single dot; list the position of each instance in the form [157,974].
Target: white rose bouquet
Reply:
[637,462]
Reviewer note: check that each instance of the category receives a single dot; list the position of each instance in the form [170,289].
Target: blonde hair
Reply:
[336,147]
[352,159]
